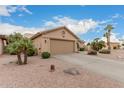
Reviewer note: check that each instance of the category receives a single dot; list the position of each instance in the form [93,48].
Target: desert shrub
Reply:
[105,51]
[82,49]
[122,44]
[31,51]
[45,55]
[97,44]
[12,53]
[92,52]
[114,47]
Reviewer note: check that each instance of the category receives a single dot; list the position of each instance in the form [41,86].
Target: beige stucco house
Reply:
[114,45]
[56,41]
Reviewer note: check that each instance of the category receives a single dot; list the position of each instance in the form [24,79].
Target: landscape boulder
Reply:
[72,71]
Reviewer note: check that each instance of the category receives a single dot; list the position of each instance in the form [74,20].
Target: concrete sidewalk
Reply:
[106,67]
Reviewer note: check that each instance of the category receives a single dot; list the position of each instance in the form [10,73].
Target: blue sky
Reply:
[87,22]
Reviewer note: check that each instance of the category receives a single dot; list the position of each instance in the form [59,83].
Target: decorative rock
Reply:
[72,71]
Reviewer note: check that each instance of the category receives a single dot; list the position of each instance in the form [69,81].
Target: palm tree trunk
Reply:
[19,59]
[25,56]
[109,46]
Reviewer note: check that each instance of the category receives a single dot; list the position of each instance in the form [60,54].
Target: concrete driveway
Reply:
[110,68]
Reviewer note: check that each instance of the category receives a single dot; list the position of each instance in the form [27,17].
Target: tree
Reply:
[88,44]
[107,34]
[97,44]
[27,44]
[19,45]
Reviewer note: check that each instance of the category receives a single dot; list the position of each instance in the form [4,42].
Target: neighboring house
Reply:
[82,44]
[2,43]
[122,44]
[28,35]
[56,41]
[114,45]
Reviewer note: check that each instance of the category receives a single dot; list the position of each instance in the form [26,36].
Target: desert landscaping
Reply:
[115,55]
[37,74]
[63,63]
[60,51]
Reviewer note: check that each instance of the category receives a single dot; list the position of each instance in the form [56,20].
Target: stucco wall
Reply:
[113,45]
[37,42]
[1,47]
[59,35]
[45,44]
[43,41]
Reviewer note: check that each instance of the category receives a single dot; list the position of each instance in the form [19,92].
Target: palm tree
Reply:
[18,45]
[108,28]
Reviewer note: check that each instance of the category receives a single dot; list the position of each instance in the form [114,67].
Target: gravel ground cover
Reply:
[36,75]
[115,55]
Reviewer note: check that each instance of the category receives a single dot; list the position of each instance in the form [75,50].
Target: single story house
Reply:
[114,45]
[56,41]
[2,43]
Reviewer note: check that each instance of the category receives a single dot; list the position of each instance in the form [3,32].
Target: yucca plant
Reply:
[19,44]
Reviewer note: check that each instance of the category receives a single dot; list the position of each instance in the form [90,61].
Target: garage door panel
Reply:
[61,46]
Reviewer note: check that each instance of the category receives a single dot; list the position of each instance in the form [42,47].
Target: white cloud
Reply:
[4,11]
[7,29]
[115,16]
[113,38]
[7,10]
[123,37]
[11,9]
[24,9]
[20,15]
[77,26]
[105,21]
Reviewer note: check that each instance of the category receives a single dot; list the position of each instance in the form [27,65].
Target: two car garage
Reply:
[61,46]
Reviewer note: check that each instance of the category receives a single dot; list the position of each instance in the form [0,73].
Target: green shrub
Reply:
[12,53]
[31,51]
[105,51]
[114,47]
[92,52]
[45,55]
[82,49]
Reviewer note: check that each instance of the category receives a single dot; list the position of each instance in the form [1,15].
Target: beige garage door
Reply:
[61,46]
